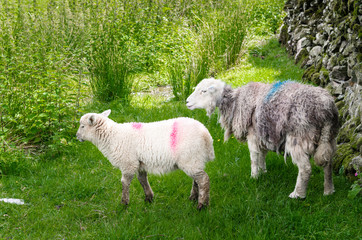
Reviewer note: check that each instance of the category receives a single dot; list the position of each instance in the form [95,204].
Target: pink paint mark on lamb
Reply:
[173,136]
[137,125]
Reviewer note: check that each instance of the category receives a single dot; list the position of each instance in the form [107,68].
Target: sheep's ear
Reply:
[92,120]
[212,89]
[106,113]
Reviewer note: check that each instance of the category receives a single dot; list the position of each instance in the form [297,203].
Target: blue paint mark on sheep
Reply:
[276,86]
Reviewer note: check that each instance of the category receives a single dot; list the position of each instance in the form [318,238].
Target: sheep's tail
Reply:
[326,146]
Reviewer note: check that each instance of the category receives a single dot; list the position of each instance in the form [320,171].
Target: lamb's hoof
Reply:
[124,202]
[201,206]
[295,195]
[149,199]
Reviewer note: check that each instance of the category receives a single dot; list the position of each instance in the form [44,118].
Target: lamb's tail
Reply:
[209,145]
[326,146]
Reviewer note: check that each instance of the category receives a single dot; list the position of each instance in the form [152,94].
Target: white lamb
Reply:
[157,147]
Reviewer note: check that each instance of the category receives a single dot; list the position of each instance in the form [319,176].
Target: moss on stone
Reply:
[359,57]
[324,76]
[284,36]
[315,79]
[343,156]
[359,143]
[309,73]
[302,55]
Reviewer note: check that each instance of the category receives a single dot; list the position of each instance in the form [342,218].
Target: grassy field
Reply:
[76,193]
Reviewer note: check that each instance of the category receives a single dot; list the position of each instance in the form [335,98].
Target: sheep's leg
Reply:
[194,191]
[142,177]
[328,181]
[261,161]
[126,182]
[254,164]
[203,182]
[257,157]
[304,172]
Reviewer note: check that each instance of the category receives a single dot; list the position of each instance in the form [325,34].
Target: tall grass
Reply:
[39,56]
[54,54]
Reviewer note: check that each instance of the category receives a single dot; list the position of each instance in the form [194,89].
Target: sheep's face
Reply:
[88,122]
[206,95]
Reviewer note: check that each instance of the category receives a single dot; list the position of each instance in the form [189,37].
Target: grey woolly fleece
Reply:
[275,111]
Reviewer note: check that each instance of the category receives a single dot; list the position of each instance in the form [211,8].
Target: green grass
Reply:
[76,193]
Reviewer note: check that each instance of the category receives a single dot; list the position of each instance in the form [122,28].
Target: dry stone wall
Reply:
[325,38]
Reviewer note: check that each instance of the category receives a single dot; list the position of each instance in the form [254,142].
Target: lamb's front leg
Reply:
[142,177]
[126,182]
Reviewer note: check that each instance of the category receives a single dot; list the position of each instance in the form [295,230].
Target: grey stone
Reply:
[332,62]
[338,74]
[353,99]
[316,51]
[356,164]
[325,61]
[302,43]
[319,39]
[300,32]
[357,74]
[338,88]
[348,49]
[343,45]
[302,54]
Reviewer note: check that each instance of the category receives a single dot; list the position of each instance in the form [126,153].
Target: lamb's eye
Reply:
[203,91]
[82,126]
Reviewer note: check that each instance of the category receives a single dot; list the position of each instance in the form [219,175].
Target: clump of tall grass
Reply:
[38,55]
[109,64]
[218,39]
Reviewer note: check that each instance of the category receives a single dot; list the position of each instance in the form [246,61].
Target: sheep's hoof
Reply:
[295,195]
[254,176]
[328,192]
[124,202]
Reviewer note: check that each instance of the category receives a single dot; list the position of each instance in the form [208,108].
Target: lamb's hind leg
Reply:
[142,177]
[304,171]
[202,180]
[194,191]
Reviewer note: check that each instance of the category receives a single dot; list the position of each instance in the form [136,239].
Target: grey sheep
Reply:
[297,119]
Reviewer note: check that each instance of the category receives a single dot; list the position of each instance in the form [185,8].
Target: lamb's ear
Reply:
[92,120]
[106,113]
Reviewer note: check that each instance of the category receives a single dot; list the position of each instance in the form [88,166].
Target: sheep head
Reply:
[88,122]
[207,95]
